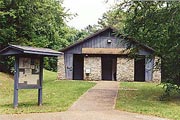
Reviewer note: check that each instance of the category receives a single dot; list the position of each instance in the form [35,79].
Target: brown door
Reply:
[108,67]
[78,65]
[139,73]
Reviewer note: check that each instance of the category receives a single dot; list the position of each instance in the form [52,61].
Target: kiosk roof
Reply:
[17,50]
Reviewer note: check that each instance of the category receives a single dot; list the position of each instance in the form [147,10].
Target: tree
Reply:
[39,23]
[115,17]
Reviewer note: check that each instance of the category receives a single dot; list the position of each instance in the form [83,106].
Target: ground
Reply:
[144,98]
[96,104]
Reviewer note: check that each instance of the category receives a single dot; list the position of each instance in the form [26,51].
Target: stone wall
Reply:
[157,70]
[61,68]
[94,65]
[125,69]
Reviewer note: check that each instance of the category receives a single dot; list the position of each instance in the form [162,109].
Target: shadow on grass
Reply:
[24,104]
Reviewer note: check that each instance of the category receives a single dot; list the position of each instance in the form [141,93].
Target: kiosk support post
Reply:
[16,77]
[40,82]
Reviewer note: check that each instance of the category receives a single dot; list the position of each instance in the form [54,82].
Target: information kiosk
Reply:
[28,67]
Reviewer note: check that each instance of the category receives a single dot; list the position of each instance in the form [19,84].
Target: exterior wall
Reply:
[125,69]
[94,64]
[100,41]
[68,60]
[61,68]
[156,71]
[149,63]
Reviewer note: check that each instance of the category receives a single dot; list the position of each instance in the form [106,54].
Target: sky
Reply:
[88,11]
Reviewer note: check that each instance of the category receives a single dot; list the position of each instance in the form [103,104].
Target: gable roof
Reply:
[16,49]
[101,31]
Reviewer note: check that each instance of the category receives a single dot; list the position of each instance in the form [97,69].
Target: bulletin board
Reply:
[29,72]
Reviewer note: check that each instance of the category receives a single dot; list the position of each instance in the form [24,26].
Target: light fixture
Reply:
[109,41]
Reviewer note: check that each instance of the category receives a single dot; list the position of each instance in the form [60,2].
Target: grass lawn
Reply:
[57,95]
[144,98]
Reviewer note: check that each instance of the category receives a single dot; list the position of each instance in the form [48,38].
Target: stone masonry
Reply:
[94,65]
[125,69]
[156,71]
[61,68]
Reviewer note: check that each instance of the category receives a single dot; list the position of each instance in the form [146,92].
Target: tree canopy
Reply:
[115,17]
[33,22]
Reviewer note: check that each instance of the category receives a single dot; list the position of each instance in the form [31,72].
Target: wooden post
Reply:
[40,82]
[16,79]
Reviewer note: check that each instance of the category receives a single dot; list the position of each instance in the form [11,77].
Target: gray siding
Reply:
[149,69]
[68,58]
[98,42]
[144,52]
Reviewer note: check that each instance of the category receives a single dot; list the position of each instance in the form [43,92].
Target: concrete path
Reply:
[96,104]
[81,115]
[100,98]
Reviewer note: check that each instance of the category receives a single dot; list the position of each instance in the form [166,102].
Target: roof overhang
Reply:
[115,51]
[13,50]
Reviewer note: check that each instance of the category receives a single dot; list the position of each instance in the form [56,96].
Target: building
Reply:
[104,56]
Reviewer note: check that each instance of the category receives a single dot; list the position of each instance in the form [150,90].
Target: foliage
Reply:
[39,23]
[74,35]
[91,29]
[35,23]
[50,63]
[115,17]
[144,98]
[57,95]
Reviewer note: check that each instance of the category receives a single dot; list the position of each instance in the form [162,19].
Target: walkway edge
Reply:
[82,96]
[115,99]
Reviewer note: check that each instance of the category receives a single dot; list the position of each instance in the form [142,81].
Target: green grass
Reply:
[57,95]
[144,98]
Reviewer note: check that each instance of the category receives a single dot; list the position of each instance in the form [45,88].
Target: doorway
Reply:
[139,69]
[78,65]
[109,64]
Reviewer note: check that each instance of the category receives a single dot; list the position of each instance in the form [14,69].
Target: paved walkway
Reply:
[100,98]
[96,104]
